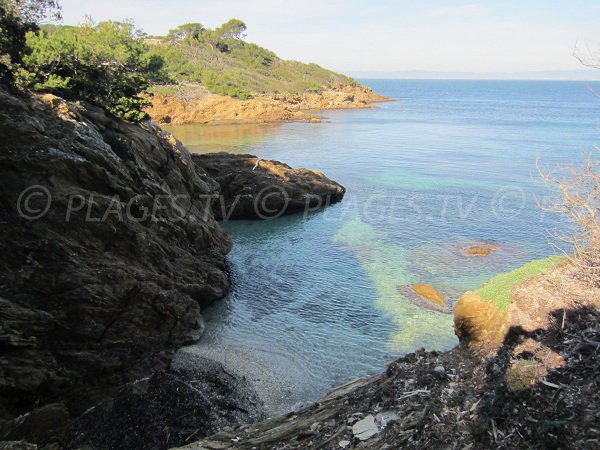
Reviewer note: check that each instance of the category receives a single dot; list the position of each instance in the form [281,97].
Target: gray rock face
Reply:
[112,275]
[253,188]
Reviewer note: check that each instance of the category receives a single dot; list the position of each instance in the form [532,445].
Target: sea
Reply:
[320,298]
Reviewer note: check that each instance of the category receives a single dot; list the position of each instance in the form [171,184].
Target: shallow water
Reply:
[320,297]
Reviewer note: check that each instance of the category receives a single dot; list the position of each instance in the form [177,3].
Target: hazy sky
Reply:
[387,35]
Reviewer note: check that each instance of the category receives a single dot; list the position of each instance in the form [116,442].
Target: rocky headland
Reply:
[175,105]
[110,252]
[254,188]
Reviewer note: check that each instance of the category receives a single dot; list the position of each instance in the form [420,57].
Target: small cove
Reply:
[317,299]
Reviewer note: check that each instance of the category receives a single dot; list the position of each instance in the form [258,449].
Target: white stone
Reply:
[385,417]
[344,444]
[365,428]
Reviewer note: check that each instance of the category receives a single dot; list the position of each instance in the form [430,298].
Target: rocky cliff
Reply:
[109,252]
[193,104]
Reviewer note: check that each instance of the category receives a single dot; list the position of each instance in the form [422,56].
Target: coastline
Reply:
[188,104]
[505,397]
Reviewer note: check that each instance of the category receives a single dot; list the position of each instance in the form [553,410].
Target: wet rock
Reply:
[429,293]
[365,429]
[253,188]
[480,249]
[424,295]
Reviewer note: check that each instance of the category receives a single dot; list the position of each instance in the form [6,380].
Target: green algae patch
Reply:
[386,265]
[498,289]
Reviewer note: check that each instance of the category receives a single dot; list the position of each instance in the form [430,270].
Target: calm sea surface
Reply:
[322,298]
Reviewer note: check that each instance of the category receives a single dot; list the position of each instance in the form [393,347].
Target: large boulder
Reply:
[254,188]
[109,252]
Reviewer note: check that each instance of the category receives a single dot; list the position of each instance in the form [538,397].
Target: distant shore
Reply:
[178,105]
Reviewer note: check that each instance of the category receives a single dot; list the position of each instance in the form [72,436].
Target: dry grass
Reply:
[580,203]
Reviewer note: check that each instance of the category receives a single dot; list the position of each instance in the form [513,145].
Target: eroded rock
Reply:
[89,300]
[253,188]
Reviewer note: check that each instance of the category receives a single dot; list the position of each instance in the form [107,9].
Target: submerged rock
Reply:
[429,293]
[424,295]
[253,188]
[480,249]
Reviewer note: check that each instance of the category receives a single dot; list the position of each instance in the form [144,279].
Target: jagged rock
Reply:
[113,250]
[89,300]
[253,188]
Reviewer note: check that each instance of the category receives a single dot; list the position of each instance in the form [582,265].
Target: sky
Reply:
[388,36]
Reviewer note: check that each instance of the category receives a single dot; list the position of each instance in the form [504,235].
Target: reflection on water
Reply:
[201,138]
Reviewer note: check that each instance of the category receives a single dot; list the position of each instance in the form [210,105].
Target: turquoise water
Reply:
[322,298]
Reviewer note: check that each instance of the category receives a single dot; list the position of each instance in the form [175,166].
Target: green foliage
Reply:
[498,289]
[130,108]
[16,19]
[224,63]
[107,64]
[183,33]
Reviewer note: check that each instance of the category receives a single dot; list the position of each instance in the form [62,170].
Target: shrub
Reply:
[107,64]
[580,202]
[16,19]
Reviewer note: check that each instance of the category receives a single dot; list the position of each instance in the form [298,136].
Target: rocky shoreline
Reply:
[111,252]
[537,387]
[110,260]
[176,105]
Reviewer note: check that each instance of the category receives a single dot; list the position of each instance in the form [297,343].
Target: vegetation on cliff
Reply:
[224,63]
[107,64]
[112,64]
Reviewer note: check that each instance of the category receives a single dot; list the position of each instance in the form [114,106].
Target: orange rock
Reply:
[477,323]
[194,104]
[480,249]
[429,293]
